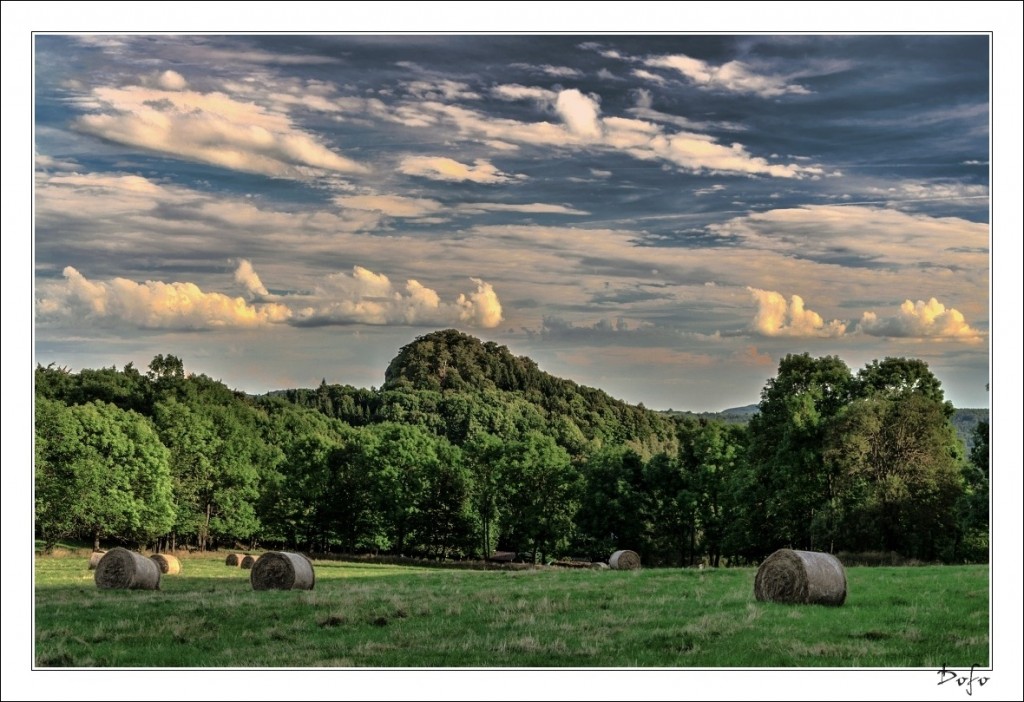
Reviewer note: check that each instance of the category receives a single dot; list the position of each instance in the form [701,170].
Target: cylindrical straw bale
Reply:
[121,569]
[279,570]
[249,560]
[94,559]
[801,577]
[234,559]
[624,560]
[168,564]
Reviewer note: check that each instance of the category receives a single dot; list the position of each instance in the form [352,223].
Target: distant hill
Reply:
[455,383]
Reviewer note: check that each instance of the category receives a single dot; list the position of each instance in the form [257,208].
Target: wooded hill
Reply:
[467,449]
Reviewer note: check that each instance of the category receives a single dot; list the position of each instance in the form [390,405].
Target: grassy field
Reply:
[394,616]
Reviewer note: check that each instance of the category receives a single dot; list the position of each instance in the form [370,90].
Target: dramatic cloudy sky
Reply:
[663,217]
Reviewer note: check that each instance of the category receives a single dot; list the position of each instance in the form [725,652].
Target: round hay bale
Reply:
[248,561]
[624,560]
[598,565]
[801,577]
[234,559]
[279,570]
[94,559]
[168,564]
[121,569]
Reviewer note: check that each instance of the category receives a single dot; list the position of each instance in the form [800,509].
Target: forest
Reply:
[466,450]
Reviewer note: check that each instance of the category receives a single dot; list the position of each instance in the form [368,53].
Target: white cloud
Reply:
[734,76]
[514,91]
[647,75]
[560,71]
[528,208]
[580,113]
[919,319]
[249,280]
[210,128]
[392,205]
[441,89]
[150,305]
[443,168]
[866,235]
[365,297]
[583,127]
[171,80]
[717,187]
[776,317]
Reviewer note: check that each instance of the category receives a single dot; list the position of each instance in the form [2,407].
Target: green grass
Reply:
[395,616]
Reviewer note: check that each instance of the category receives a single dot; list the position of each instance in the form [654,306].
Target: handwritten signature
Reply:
[962,680]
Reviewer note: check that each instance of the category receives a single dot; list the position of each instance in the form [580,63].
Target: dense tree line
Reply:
[467,449]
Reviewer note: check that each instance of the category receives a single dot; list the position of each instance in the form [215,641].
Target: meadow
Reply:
[373,615]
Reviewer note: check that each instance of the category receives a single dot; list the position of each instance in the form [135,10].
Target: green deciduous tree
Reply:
[788,483]
[100,471]
[542,487]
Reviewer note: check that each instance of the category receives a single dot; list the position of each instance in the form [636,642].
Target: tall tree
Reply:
[542,495]
[100,471]
[789,484]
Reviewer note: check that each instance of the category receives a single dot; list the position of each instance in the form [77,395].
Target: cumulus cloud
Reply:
[919,320]
[361,297]
[247,278]
[443,168]
[150,305]
[580,113]
[210,128]
[171,80]
[734,76]
[365,297]
[776,317]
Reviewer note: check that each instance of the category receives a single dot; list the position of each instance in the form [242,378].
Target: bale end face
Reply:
[624,560]
[801,577]
[168,564]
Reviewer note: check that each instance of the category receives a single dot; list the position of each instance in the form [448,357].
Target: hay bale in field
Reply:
[624,560]
[801,577]
[598,565]
[94,559]
[121,569]
[168,564]
[280,570]
[234,559]
[248,561]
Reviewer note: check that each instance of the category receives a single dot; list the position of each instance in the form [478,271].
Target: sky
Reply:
[663,217]
[240,200]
